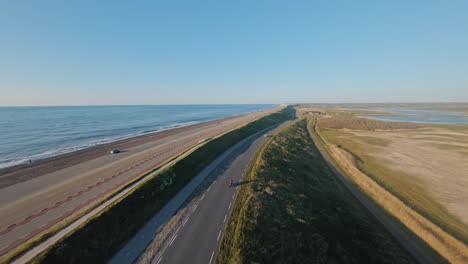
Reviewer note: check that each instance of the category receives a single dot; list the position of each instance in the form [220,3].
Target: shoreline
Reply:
[76,148]
[74,142]
[23,172]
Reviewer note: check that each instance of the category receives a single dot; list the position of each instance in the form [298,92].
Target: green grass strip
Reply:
[101,237]
[294,210]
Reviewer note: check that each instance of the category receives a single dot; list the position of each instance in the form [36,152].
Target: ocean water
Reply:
[34,133]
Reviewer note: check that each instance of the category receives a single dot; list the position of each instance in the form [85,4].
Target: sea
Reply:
[35,133]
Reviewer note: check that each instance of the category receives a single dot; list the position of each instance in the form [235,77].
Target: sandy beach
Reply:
[24,172]
[37,197]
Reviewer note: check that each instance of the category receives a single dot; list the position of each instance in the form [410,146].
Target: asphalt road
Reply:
[30,208]
[196,239]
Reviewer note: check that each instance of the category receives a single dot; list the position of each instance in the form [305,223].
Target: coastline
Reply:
[23,172]
[76,148]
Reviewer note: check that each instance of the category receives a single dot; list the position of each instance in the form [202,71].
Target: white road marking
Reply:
[25,235]
[172,241]
[211,259]
[202,197]
[214,181]
[229,205]
[164,249]
[185,221]
[219,235]
[225,217]
[159,260]
[194,208]
[233,195]
[237,188]
[208,189]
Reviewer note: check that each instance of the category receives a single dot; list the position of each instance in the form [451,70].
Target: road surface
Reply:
[196,237]
[32,207]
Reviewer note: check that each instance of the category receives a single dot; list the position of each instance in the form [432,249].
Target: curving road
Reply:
[196,236]
[30,208]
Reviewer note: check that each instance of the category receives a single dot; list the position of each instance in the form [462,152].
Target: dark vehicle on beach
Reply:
[114,151]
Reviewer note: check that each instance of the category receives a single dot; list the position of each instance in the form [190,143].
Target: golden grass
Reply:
[351,122]
[451,248]
[449,147]
[401,184]
[294,210]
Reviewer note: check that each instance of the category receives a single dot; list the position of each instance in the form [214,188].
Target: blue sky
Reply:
[177,52]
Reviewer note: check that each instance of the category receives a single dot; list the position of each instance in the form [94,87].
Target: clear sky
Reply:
[252,51]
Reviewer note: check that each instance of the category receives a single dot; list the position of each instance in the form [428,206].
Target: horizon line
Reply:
[289,103]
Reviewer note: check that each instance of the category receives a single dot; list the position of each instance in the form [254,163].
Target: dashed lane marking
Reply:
[219,235]
[172,241]
[225,217]
[43,211]
[185,221]
[211,259]
[159,260]
[229,205]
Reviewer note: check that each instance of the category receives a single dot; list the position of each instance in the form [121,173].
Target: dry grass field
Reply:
[350,122]
[359,109]
[424,166]
[293,209]
[337,110]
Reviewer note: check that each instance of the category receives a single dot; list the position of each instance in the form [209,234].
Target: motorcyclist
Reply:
[231,182]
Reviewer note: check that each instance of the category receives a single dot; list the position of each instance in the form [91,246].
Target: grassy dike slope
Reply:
[294,210]
[393,190]
[102,236]
[397,182]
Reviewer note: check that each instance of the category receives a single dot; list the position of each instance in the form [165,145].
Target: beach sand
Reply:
[23,172]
